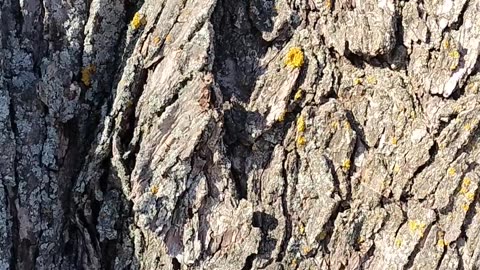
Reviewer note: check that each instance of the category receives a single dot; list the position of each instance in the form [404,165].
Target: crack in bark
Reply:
[286,214]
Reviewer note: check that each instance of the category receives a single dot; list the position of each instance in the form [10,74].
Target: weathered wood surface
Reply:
[173,134]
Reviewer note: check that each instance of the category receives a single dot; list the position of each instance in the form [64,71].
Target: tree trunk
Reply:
[230,134]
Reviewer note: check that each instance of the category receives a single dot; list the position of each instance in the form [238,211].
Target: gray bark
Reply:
[175,134]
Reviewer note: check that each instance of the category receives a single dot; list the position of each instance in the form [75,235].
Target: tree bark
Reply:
[225,134]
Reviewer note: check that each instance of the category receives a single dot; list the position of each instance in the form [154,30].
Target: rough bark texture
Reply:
[172,134]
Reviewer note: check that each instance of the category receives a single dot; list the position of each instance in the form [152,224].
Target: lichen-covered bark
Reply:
[168,134]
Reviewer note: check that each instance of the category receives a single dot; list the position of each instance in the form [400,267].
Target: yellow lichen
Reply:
[301,140]
[281,117]
[298,95]
[335,124]
[467,127]
[301,124]
[357,81]
[301,228]
[416,227]
[453,66]
[154,189]
[470,196]
[412,225]
[456,109]
[328,4]
[361,239]
[396,168]
[322,235]
[294,58]
[137,21]
[422,226]
[446,44]
[293,264]
[398,243]
[371,80]
[451,171]
[466,182]
[306,250]
[87,73]
[346,165]
[454,54]
[394,140]
[168,38]
[156,40]
[463,190]
[346,125]
[465,207]
[472,88]
[441,243]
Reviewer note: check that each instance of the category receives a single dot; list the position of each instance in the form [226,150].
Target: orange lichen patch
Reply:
[154,189]
[298,95]
[294,58]
[87,73]
[451,171]
[137,21]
